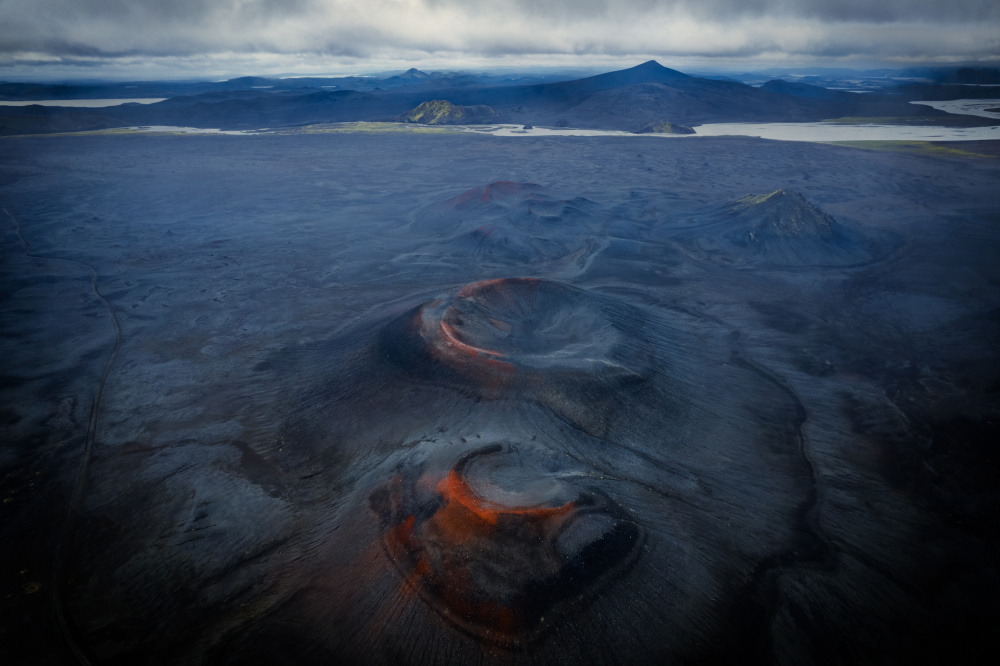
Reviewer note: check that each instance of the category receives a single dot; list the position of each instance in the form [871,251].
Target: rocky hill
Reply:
[442,112]
[782,230]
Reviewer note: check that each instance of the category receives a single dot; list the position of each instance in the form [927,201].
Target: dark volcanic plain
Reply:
[450,398]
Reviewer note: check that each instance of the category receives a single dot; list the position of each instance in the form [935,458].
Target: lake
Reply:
[816,132]
[83,103]
[968,107]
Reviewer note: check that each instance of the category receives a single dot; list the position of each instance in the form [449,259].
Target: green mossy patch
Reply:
[910,148]
[442,112]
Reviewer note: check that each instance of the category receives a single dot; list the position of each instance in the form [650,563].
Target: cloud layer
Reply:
[470,30]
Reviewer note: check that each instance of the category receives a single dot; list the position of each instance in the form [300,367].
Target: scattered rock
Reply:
[665,128]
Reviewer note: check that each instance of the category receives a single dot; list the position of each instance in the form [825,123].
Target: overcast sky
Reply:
[159,38]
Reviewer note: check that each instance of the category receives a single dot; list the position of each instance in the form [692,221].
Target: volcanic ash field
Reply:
[460,399]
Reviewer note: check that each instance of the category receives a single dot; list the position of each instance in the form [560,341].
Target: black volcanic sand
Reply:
[460,399]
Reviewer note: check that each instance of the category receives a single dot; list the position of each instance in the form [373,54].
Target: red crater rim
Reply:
[496,566]
[509,325]
[486,193]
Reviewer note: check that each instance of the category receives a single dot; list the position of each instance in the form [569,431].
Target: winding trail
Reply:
[73,513]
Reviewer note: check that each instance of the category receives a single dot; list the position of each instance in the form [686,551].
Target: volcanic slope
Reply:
[508,224]
[782,230]
[511,513]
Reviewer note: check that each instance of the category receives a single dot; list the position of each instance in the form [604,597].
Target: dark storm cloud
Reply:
[831,10]
[36,30]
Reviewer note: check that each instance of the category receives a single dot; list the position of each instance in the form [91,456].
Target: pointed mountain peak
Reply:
[414,73]
[784,214]
[783,230]
[647,72]
[773,198]
[779,198]
[655,69]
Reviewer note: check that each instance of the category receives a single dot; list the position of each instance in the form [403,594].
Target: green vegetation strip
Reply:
[323,128]
[909,147]
[115,131]
[886,120]
[98,132]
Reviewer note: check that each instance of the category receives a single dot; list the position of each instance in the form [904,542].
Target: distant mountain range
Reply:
[867,80]
[630,99]
[139,89]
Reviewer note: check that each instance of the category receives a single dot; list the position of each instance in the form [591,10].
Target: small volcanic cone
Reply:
[508,223]
[495,546]
[783,230]
[502,189]
[515,332]
[782,214]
